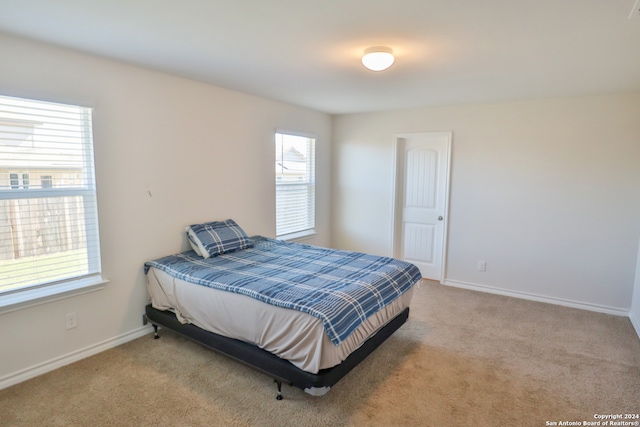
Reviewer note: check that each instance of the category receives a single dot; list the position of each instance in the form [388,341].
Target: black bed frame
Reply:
[281,370]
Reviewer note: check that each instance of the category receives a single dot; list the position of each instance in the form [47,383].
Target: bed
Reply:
[302,314]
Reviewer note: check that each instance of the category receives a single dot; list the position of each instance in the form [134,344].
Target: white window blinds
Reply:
[295,184]
[48,209]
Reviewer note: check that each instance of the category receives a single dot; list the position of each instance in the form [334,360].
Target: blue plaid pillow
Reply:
[218,237]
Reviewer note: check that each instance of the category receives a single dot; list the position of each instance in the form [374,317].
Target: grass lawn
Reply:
[29,271]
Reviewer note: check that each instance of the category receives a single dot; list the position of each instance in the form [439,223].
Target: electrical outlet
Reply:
[482,266]
[72,320]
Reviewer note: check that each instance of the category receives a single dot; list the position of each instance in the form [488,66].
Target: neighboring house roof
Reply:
[291,161]
[19,141]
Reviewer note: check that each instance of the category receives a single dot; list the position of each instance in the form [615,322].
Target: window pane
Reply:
[295,184]
[48,210]
[46,181]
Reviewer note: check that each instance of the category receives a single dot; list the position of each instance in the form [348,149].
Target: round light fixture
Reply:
[378,58]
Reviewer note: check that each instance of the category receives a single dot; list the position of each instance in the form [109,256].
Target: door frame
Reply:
[397,194]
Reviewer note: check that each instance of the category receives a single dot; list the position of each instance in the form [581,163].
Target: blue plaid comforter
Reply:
[341,288]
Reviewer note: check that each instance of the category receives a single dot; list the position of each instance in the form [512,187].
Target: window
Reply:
[46,181]
[15,183]
[19,180]
[295,185]
[48,221]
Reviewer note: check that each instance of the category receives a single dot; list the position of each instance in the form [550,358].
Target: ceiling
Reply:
[307,52]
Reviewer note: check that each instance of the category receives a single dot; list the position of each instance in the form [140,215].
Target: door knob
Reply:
[440,218]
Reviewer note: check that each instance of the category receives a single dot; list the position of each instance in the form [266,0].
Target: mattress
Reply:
[290,334]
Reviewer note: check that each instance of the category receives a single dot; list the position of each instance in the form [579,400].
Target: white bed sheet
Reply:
[289,334]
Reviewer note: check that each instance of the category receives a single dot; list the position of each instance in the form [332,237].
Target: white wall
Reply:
[169,152]
[634,314]
[544,191]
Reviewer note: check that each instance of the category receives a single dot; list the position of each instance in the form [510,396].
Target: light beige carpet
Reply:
[463,359]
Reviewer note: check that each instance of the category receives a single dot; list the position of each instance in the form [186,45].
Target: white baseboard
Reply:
[58,362]
[636,323]
[540,298]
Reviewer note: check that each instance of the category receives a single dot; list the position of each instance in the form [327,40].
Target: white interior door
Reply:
[422,198]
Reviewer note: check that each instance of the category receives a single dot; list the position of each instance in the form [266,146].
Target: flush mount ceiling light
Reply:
[378,58]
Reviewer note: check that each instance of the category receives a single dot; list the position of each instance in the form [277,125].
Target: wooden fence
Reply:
[31,227]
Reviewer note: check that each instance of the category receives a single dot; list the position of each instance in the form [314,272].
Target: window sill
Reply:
[301,235]
[31,297]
